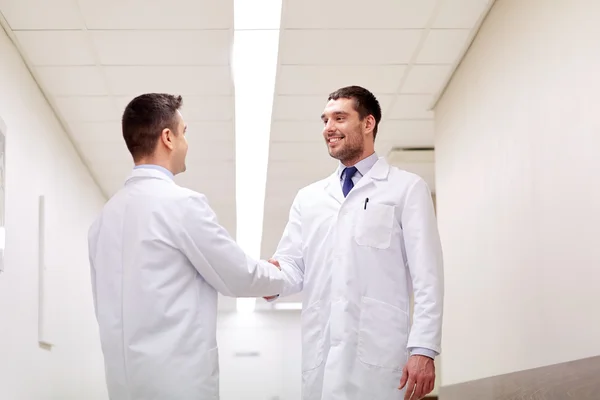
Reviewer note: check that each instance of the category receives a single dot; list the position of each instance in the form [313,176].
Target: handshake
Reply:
[275,263]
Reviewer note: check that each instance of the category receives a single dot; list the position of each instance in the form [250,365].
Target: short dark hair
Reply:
[365,103]
[144,119]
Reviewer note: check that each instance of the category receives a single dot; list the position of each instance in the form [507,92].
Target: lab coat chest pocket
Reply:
[374,225]
[312,337]
[383,335]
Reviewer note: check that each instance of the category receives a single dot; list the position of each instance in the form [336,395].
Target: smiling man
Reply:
[360,244]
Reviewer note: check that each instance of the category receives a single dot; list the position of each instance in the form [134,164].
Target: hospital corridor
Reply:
[299,199]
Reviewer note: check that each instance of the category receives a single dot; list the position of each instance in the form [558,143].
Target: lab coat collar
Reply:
[376,175]
[147,173]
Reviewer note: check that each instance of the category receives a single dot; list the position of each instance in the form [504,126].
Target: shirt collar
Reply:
[156,167]
[363,166]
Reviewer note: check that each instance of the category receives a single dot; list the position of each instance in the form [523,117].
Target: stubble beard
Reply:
[348,153]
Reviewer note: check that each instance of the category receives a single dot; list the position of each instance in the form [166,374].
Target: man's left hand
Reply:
[418,376]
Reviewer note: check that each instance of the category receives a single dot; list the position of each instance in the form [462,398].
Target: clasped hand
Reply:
[275,263]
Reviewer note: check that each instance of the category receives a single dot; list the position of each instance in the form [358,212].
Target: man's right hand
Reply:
[275,263]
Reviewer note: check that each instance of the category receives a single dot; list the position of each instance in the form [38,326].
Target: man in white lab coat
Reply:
[360,244]
[158,258]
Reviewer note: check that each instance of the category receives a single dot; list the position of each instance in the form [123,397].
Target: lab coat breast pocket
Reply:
[374,225]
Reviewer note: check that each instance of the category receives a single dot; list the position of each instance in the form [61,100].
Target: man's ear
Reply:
[369,123]
[166,136]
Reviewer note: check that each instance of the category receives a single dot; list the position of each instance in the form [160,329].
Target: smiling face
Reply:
[348,138]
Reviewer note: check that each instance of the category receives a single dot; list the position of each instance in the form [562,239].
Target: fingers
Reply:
[419,390]
[275,263]
[418,377]
[404,378]
[431,387]
[410,388]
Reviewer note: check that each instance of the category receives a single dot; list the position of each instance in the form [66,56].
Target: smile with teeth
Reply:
[334,139]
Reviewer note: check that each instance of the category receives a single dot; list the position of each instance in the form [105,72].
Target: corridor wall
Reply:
[518,193]
[40,160]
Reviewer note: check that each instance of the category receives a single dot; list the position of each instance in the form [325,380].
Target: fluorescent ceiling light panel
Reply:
[254,67]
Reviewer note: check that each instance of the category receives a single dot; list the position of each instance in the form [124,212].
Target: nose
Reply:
[329,127]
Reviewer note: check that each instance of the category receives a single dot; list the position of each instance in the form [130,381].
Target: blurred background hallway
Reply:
[494,103]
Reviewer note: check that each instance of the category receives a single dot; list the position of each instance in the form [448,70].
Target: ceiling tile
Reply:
[87,108]
[443,46]
[298,151]
[460,13]
[205,153]
[322,47]
[72,81]
[309,108]
[157,14]
[196,108]
[426,79]
[298,108]
[322,80]
[196,177]
[101,154]
[201,47]
[378,14]
[97,132]
[211,131]
[55,14]
[411,106]
[185,80]
[56,47]
[297,131]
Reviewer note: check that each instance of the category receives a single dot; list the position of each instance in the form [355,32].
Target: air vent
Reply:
[400,155]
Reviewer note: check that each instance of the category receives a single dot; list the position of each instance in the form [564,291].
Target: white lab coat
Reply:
[158,258]
[357,268]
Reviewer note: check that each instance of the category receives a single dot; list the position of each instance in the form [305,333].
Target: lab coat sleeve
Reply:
[424,257]
[289,252]
[219,259]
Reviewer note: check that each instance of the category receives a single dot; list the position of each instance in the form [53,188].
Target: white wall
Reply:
[40,160]
[260,355]
[518,192]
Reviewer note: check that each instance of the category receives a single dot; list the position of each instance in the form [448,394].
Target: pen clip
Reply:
[366,201]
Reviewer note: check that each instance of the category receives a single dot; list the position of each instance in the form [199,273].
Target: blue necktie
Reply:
[348,184]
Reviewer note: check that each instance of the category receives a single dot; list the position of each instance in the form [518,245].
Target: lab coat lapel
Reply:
[378,173]
[333,187]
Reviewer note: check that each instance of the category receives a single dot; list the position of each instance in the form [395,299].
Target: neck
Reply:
[355,160]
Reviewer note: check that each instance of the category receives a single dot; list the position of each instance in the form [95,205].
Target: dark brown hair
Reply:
[365,103]
[144,119]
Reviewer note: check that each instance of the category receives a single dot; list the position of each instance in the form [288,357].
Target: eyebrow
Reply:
[343,113]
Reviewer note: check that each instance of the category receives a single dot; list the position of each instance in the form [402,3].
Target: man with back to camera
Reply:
[359,243]
[158,258]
